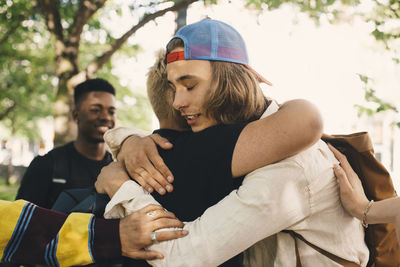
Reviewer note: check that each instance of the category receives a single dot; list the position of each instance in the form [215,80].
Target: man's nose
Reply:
[180,101]
[105,115]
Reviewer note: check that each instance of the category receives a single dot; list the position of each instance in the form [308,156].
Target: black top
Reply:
[62,168]
[202,166]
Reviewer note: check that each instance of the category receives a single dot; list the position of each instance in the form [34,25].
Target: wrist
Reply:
[113,187]
[359,210]
[121,154]
[364,219]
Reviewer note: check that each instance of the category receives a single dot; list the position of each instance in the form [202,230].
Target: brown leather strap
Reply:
[331,256]
[298,261]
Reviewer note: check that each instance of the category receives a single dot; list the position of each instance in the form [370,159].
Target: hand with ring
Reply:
[138,231]
[153,237]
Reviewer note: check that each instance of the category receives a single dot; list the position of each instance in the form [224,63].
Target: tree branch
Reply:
[101,60]
[13,28]
[7,111]
[86,9]
[50,10]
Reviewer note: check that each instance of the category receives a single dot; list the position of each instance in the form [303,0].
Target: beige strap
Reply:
[331,256]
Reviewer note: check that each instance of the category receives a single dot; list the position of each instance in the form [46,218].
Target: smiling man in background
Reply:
[75,164]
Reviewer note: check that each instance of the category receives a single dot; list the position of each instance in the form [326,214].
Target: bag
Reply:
[381,239]
[85,200]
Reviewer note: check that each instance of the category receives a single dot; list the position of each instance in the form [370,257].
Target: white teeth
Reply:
[191,117]
[103,128]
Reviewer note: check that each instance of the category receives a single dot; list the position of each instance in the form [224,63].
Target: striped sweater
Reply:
[31,234]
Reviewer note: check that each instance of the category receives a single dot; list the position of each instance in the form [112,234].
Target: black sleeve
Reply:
[36,182]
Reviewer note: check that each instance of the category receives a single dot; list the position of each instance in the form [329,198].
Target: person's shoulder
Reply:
[49,155]
[316,159]
[62,149]
[41,162]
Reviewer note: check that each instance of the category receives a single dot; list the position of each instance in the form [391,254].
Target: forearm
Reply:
[298,125]
[29,232]
[384,211]
[294,127]
[115,137]
[244,217]
[216,236]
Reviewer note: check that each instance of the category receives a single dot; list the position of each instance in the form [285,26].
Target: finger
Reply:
[161,214]
[156,175]
[98,187]
[342,178]
[162,168]
[351,175]
[150,180]
[336,152]
[166,223]
[139,179]
[151,207]
[161,141]
[145,255]
[342,158]
[153,177]
[129,167]
[168,235]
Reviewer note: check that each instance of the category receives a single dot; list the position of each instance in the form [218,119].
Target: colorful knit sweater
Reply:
[31,234]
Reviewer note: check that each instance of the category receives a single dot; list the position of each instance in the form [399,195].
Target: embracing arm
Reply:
[257,201]
[28,232]
[31,234]
[294,127]
[137,150]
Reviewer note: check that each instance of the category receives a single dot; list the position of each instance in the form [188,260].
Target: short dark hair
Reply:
[92,85]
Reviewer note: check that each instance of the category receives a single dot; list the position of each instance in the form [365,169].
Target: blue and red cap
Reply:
[212,40]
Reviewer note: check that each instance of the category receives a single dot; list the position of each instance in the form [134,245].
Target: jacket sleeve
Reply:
[30,234]
[115,137]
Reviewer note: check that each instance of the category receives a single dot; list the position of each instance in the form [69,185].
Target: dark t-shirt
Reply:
[41,185]
[202,166]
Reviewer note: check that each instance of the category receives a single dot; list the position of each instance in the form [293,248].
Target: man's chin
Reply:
[97,139]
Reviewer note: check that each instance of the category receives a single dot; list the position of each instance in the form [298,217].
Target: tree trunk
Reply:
[181,18]
[65,129]
[64,126]
[10,171]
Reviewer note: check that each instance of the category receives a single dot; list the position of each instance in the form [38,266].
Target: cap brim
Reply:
[260,78]
[180,55]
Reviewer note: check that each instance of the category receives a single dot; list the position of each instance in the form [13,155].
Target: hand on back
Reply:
[140,157]
[111,178]
[136,230]
[352,193]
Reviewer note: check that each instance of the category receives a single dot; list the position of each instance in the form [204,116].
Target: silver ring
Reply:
[152,213]
[153,238]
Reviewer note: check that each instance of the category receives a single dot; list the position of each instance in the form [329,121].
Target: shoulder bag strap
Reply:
[331,256]
[61,163]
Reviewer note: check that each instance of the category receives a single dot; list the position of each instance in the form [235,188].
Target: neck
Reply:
[90,150]
[171,126]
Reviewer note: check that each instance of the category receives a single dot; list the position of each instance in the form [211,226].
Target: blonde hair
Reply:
[235,95]
[160,94]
